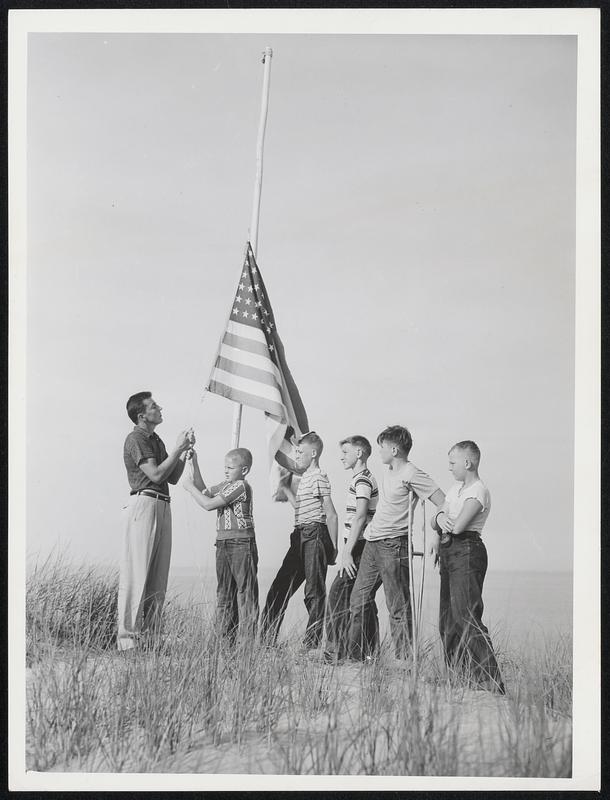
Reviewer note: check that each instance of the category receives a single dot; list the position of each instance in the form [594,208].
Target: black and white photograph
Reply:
[304,417]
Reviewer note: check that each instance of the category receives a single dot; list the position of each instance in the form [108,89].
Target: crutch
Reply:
[416,609]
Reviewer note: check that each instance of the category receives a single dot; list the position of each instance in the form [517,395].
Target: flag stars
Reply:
[268,330]
[250,289]
[244,314]
[256,286]
[253,316]
[241,286]
[271,347]
[258,304]
[238,299]
[248,301]
[236,311]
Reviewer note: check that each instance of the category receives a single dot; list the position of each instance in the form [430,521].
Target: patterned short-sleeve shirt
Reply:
[235,519]
[314,486]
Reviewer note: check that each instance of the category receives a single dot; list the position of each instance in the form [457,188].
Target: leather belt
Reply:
[471,536]
[156,495]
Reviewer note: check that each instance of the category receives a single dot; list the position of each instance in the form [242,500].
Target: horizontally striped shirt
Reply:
[362,485]
[234,519]
[314,486]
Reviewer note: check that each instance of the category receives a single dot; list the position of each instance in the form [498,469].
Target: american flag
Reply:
[250,368]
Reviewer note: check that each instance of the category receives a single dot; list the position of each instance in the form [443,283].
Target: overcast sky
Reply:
[416,238]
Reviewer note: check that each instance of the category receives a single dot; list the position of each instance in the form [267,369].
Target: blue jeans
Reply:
[338,616]
[237,590]
[383,561]
[466,643]
[306,560]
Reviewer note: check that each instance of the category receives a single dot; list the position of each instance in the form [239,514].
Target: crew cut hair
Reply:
[244,455]
[358,441]
[136,405]
[314,440]
[470,447]
[398,436]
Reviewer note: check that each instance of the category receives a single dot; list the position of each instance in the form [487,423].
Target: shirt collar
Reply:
[140,430]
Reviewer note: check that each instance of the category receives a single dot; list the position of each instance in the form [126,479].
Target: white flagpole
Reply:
[256,206]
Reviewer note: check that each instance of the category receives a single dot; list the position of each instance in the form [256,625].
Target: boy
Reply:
[362,496]
[236,553]
[313,545]
[463,559]
[385,559]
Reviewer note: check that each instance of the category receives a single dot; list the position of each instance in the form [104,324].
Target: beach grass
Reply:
[192,704]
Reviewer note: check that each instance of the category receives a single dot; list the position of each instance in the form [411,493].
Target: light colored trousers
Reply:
[144,567]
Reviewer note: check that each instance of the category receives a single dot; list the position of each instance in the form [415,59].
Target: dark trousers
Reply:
[338,615]
[306,560]
[466,643]
[237,589]
[383,561]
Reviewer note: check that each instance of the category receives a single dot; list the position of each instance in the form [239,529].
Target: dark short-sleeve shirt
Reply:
[139,447]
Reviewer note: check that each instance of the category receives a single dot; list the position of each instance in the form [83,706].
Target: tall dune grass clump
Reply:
[189,702]
[69,605]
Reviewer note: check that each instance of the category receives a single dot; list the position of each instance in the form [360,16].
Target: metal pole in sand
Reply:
[256,206]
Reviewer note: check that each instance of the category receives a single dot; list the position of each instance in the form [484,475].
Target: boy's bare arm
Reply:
[436,519]
[196,476]
[469,511]
[331,519]
[288,463]
[201,498]
[358,523]
[437,497]
[436,539]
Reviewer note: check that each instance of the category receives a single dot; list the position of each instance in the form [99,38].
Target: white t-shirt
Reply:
[457,496]
[392,514]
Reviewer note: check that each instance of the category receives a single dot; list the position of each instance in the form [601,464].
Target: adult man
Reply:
[148,525]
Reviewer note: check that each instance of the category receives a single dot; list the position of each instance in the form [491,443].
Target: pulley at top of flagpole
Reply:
[256,204]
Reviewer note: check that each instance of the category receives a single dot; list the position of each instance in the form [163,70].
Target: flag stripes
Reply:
[245,398]
[232,380]
[231,353]
[250,366]
[242,370]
